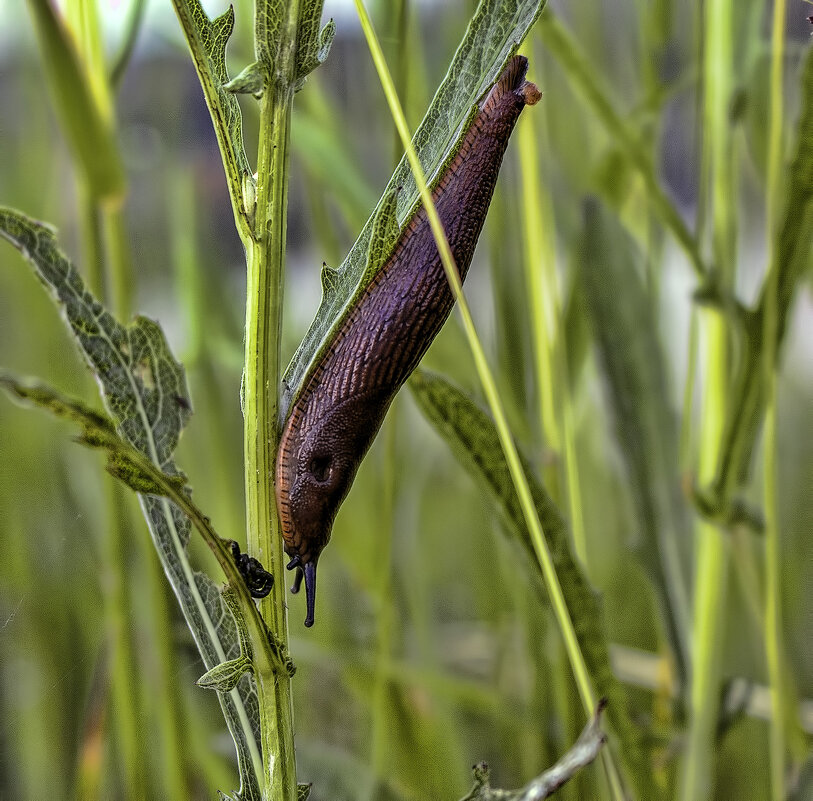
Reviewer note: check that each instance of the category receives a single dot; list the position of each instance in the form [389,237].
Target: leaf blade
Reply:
[632,362]
[207,40]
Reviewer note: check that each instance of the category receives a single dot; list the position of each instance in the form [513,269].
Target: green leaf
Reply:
[251,81]
[124,461]
[382,240]
[224,677]
[244,641]
[472,436]
[144,391]
[303,792]
[207,40]
[632,362]
[493,36]
[269,21]
[313,45]
[90,135]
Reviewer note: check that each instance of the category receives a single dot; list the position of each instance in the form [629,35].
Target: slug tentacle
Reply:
[384,334]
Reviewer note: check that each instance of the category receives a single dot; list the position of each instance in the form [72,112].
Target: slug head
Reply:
[316,466]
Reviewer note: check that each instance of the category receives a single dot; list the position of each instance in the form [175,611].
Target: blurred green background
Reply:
[430,652]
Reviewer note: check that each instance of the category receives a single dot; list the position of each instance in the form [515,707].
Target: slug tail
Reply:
[310,591]
[512,79]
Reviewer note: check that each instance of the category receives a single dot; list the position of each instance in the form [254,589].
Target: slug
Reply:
[384,335]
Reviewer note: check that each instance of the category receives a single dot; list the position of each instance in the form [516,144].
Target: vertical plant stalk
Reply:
[540,271]
[564,621]
[710,605]
[710,583]
[261,382]
[385,622]
[118,620]
[539,233]
[781,723]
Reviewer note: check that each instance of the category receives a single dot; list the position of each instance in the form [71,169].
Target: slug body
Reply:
[384,335]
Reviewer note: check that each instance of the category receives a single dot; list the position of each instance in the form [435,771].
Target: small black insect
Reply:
[258,580]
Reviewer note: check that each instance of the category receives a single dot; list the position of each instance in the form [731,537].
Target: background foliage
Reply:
[432,647]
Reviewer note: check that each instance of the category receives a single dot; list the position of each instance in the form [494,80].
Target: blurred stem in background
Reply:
[710,604]
[553,385]
[785,733]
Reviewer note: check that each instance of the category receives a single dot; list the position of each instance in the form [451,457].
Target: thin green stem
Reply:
[119,270]
[124,701]
[558,603]
[710,585]
[544,293]
[385,623]
[774,648]
[685,446]
[92,245]
[712,554]
[261,381]
[135,17]
[538,235]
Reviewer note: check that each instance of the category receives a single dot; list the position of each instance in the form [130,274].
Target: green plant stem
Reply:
[118,263]
[385,623]
[261,381]
[544,293]
[710,607]
[538,235]
[710,587]
[566,51]
[774,647]
[560,609]
[124,700]
[91,234]
[135,17]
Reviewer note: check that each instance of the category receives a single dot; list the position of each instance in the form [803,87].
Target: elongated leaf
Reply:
[98,431]
[493,36]
[473,438]
[313,45]
[207,40]
[88,132]
[632,362]
[144,390]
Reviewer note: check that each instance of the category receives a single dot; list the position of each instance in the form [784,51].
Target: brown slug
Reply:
[384,335]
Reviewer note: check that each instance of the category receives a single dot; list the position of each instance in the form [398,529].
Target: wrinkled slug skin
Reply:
[381,340]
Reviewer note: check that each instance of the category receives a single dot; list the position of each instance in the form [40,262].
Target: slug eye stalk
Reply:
[308,572]
[383,335]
